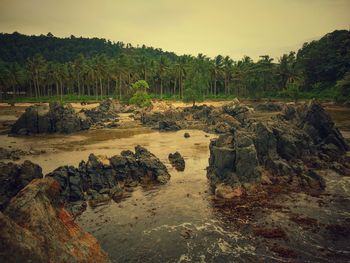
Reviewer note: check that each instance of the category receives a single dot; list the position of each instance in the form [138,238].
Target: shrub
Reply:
[140,96]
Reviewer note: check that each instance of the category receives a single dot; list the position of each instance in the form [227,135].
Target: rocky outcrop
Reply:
[10,154]
[177,161]
[168,126]
[57,117]
[99,177]
[268,106]
[317,123]
[106,111]
[285,150]
[209,119]
[35,228]
[13,177]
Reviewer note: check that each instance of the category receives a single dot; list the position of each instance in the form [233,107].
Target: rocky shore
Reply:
[251,163]
[35,225]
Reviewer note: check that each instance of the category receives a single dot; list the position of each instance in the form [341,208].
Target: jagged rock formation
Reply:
[284,150]
[106,111]
[13,177]
[35,228]
[100,177]
[57,117]
[177,161]
[62,118]
[268,106]
[208,118]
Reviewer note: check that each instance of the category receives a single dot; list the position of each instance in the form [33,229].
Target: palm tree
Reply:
[36,66]
[78,71]
[163,67]
[217,70]
[180,71]
[227,71]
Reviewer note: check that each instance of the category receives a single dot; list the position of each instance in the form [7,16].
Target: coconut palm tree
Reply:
[227,72]
[217,70]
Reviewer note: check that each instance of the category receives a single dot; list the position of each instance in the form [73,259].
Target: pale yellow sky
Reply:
[227,27]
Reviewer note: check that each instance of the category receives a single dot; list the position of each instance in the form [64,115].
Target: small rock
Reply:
[227,192]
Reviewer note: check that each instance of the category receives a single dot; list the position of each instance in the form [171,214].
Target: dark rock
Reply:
[187,135]
[168,126]
[14,177]
[100,174]
[177,161]
[106,111]
[152,167]
[56,118]
[287,148]
[268,106]
[238,111]
[222,127]
[317,123]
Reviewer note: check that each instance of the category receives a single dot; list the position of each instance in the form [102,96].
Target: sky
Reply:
[211,27]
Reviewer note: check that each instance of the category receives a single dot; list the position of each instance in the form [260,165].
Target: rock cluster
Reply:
[104,178]
[177,161]
[13,177]
[106,111]
[57,117]
[287,150]
[34,228]
[15,154]
[62,118]
[268,106]
[10,154]
[207,118]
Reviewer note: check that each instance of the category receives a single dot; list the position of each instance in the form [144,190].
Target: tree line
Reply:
[50,66]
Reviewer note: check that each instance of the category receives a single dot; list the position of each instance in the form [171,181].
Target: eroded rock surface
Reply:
[288,149]
[35,228]
[208,118]
[102,178]
[57,117]
[106,111]
[13,177]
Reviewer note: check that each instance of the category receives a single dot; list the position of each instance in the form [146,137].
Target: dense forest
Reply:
[37,66]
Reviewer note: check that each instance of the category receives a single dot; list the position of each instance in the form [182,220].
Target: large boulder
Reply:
[34,228]
[57,117]
[14,177]
[34,120]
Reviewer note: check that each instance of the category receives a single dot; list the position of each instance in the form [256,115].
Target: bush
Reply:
[343,88]
[140,96]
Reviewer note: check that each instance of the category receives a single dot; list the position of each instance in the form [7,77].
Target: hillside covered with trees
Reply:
[37,66]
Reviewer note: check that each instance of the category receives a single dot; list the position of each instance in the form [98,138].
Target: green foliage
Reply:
[325,60]
[140,86]
[196,82]
[43,66]
[140,96]
[293,91]
[343,88]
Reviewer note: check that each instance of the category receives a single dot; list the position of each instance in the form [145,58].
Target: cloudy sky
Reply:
[227,27]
